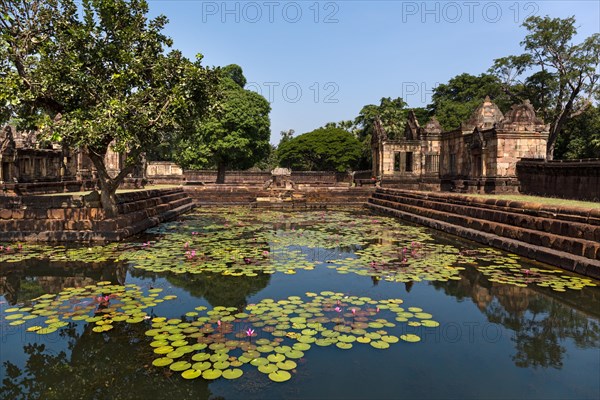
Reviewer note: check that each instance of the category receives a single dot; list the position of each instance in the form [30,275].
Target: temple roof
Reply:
[522,117]
[486,116]
[412,129]
[433,127]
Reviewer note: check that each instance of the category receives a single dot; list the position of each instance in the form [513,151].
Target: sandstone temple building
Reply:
[478,156]
[24,159]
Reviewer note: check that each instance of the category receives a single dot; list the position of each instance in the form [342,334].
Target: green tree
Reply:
[453,103]
[236,133]
[96,79]
[422,115]
[580,137]
[566,74]
[286,136]
[392,114]
[324,149]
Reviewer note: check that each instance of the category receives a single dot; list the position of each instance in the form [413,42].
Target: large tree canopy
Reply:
[236,133]
[455,101]
[390,112]
[96,78]
[324,149]
[580,137]
[565,75]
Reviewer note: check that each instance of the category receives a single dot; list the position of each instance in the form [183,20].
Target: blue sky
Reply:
[318,62]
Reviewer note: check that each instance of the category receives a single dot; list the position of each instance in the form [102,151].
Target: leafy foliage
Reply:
[235,134]
[565,74]
[391,113]
[324,149]
[96,79]
[580,137]
[455,101]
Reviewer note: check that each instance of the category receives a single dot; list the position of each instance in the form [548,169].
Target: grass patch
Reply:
[550,201]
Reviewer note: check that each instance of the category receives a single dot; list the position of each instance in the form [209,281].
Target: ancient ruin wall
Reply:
[577,179]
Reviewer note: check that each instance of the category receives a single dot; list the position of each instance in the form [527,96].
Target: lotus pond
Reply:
[255,304]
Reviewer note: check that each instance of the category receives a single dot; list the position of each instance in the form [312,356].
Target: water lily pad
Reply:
[389,339]
[201,366]
[379,344]
[180,366]
[232,373]
[409,337]
[294,354]
[287,365]
[164,349]
[274,358]
[280,376]
[267,368]
[161,362]
[211,374]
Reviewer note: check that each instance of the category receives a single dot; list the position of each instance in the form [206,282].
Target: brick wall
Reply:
[576,179]
[260,177]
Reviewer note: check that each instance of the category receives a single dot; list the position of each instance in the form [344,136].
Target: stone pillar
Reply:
[484,163]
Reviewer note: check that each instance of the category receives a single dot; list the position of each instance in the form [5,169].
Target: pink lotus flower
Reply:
[377,309]
[219,323]
[249,332]
[337,309]
[354,311]
[265,253]
[186,245]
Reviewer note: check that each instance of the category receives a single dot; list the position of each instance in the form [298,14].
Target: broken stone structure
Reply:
[479,156]
[24,159]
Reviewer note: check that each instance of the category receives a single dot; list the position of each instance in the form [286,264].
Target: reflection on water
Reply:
[541,321]
[95,366]
[217,289]
[26,280]
[552,332]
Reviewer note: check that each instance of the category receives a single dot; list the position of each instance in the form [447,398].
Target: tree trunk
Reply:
[108,197]
[108,185]
[550,152]
[221,173]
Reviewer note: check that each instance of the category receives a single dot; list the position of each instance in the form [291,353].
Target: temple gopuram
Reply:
[478,156]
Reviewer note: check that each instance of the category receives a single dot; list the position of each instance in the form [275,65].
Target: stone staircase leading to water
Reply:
[69,218]
[565,237]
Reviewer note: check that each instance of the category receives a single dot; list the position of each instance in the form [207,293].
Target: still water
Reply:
[337,304]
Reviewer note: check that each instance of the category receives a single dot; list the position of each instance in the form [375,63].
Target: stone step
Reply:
[578,247]
[144,210]
[575,230]
[141,204]
[563,213]
[581,265]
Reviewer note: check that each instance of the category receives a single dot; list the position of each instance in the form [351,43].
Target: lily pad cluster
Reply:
[17,252]
[505,269]
[273,335]
[238,241]
[102,304]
